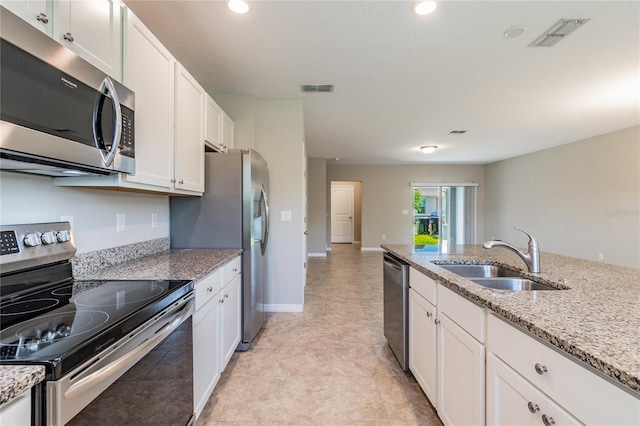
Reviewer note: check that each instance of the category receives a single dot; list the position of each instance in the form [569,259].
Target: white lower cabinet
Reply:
[423,343]
[460,375]
[446,350]
[216,328]
[569,392]
[17,412]
[206,353]
[230,319]
[512,400]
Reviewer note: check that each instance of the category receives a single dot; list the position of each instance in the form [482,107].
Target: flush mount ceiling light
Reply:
[424,7]
[238,6]
[429,149]
[515,31]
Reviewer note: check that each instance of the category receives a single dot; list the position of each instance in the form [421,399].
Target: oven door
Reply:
[146,377]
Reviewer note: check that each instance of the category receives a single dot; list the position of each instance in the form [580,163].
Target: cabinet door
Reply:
[149,72]
[230,322]
[423,344]
[460,375]
[17,412]
[511,400]
[36,12]
[227,132]
[213,124]
[93,30]
[206,353]
[189,132]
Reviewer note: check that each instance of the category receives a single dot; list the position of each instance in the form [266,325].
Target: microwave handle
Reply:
[107,86]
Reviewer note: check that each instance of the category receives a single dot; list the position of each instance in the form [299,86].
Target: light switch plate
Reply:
[120,222]
[285,216]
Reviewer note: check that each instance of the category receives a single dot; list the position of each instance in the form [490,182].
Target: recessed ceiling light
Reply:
[515,31]
[238,6]
[424,7]
[429,149]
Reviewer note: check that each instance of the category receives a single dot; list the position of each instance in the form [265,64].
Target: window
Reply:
[443,216]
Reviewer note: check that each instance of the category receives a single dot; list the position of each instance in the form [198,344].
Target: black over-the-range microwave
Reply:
[59,114]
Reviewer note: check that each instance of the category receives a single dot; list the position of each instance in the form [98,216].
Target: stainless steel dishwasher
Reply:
[396,307]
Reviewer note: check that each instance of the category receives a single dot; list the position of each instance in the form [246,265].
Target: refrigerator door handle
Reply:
[265,235]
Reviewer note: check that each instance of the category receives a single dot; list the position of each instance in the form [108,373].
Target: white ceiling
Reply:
[402,81]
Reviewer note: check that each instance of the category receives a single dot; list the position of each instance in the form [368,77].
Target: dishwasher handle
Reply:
[393,261]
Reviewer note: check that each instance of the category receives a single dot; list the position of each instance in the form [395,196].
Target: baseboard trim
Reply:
[371,249]
[328,248]
[283,308]
[316,254]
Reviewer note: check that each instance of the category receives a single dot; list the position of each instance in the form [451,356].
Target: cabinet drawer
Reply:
[231,269]
[423,285]
[589,397]
[468,315]
[208,287]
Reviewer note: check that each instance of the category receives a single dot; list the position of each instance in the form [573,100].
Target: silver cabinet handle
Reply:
[226,296]
[68,37]
[42,18]
[429,314]
[540,369]
[107,86]
[181,181]
[548,420]
[534,408]
[209,289]
[437,321]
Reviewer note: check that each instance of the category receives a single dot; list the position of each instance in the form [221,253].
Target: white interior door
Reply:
[341,213]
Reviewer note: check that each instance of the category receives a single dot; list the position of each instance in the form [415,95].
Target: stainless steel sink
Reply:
[480,271]
[513,284]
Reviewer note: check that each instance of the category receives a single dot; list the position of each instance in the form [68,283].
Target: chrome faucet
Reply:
[531,258]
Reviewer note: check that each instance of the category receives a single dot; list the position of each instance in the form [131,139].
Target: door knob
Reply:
[306,232]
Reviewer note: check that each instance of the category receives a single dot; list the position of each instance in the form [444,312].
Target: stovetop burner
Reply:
[28,306]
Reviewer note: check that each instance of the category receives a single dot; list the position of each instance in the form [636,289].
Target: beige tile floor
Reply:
[329,365]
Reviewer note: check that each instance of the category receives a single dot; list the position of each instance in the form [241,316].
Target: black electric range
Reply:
[49,318]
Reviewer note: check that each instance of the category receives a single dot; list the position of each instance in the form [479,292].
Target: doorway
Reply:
[346,212]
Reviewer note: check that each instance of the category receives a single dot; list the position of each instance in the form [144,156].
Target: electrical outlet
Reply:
[384,236]
[120,222]
[601,257]
[405,211]
[154,220]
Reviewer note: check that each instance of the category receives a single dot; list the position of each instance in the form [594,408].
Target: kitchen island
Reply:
[595,321]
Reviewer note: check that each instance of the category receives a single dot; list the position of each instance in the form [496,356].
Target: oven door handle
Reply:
[130,358]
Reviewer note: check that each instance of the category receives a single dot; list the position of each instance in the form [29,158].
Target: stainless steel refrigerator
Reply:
[232,213]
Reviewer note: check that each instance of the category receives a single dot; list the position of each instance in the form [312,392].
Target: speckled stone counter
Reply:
[176,264]
[16,379]
[596,320]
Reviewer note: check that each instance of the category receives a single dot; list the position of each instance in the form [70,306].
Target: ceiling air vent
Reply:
[457,132]
[559,31]
[317,88]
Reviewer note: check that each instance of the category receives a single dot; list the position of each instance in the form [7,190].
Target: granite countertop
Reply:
[176,264]
[15,379]
[596,320]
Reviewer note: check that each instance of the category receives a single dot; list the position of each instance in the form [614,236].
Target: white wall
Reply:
[578,199]
[386,193]
[31,199]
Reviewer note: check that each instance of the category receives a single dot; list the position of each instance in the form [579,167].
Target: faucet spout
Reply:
[531,258]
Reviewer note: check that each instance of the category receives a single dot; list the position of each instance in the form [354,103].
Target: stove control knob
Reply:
[47,336]
[63,330]
[32,345]
[48,238]
[62,236]
[31,240]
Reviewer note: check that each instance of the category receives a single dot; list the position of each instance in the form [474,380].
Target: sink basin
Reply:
[480,271]
[513,284]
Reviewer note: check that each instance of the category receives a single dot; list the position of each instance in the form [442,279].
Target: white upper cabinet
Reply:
[92,29]
[218,127]
[213,125]
[189,132]
[149,70]
[227,131]
[38,13]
